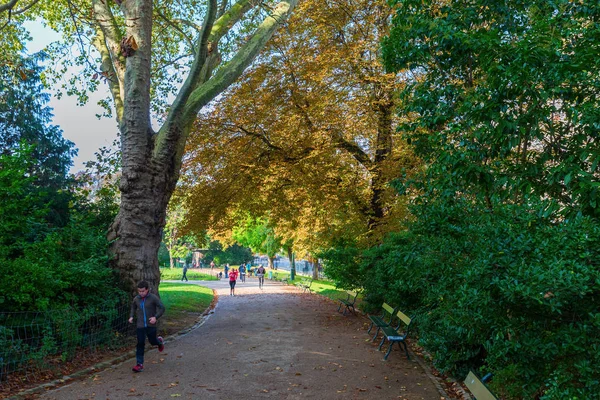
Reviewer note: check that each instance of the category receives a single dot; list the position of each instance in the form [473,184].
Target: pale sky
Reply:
[79,124]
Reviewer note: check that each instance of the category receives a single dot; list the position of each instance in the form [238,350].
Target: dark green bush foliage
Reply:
[507,292]
[52,234]
[500,263]
[343,261]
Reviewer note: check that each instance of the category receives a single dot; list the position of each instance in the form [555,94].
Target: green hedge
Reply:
[504,292]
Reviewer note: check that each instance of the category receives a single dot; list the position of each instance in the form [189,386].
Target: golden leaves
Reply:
[271,145]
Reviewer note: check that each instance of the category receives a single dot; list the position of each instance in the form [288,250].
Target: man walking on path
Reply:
[185,268]
[147,308]
[243,272]
[260,273]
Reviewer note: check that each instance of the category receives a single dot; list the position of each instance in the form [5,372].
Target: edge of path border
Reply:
[104,365]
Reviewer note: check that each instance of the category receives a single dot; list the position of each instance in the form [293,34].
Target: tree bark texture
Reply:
[152,161]
[384,112]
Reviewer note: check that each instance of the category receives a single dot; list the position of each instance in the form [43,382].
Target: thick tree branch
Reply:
[234,69]
[109,47]
[27,7]
[199,61]
[353,149]
[136,131]
[227,19]
[108,71]
[8,6]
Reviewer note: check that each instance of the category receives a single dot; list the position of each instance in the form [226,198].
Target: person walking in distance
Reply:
[147,308]
[185,268]
[243,272]
[260,274]
[212,265]
[232,280]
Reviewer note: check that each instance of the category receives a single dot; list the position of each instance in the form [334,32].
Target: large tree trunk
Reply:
[145,193]
[315,264]
[384,112]
[151,161]
[290,253]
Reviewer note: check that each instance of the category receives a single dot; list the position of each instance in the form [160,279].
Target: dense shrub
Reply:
[508,292]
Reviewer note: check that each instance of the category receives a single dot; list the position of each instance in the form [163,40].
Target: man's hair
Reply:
[143,285]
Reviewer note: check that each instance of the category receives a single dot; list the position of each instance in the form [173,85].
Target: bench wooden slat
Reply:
[403,317]
[478,388]
[388,308]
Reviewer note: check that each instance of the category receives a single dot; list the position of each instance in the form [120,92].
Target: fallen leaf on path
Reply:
[175,395]
[132,390]
[173,384]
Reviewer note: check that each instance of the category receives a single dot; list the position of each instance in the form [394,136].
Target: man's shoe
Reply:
[161,343]
[138,368]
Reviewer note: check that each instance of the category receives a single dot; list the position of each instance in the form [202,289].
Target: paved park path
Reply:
[270,343]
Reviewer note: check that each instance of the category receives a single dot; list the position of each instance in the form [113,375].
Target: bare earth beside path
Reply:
[274,343]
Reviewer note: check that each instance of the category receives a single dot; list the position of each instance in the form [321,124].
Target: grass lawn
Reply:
[322,287]
[184,303]
[169,274]
[326,288]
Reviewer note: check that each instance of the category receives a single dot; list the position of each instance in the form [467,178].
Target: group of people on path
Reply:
[241,272]
[234,274]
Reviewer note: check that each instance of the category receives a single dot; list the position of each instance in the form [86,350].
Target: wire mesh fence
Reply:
[33,343]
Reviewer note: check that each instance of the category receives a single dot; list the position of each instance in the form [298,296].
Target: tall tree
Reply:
[26,121]
[259,235]
[309,133]
[505,100]
[143,67]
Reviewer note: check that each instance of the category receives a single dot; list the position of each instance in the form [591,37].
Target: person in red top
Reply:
[232,279]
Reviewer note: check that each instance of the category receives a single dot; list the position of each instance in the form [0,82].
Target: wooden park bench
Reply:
[478,388]
[395,335]
[305,285]
[348,302]
[383,320]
